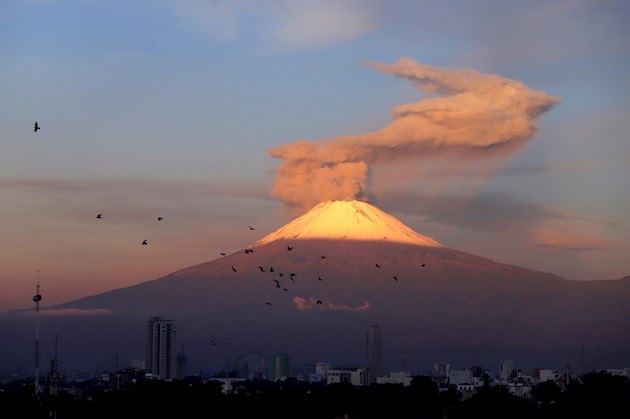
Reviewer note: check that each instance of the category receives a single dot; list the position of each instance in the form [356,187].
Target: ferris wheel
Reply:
[253,365]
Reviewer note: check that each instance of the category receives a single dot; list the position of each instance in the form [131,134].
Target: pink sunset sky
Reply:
[498,129]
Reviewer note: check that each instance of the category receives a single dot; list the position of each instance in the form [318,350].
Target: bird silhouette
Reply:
[395,278]
[277,283]
[213,342]
[268,303]
[99,216]
[423,265]
[251,228]
[233,268]
[319,301]
[144,242]
[222,254]
[281,274]
[289,247]
[261,269]
[36,127]
[323,257]
[319,277]
[271,269]
[160,218]
[377,265]
[249,251]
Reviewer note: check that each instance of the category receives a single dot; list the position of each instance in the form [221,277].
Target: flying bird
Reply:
[268,303]
[395,278]
[261,269]
[277,283]
[289,247]
[323,257]
[249,251]
[271,269]
[222,253]
[36,127]
[160,218]
[213,342]
[99,216]
[377,265]
[233,268]
[319,301]
[251,228]
[319,277]
[144,242]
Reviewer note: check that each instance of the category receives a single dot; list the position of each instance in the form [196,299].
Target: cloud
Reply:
[217,21]
[479,118]
[559,239]
[312,24]
[537,227]
[310,303]
[623,159]
[293,24]
[75,312]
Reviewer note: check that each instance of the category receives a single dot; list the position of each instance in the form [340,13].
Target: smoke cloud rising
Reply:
[479,116]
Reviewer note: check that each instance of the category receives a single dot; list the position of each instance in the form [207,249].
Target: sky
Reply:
[496,128]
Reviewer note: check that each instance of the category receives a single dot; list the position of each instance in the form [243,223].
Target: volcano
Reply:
[313,288]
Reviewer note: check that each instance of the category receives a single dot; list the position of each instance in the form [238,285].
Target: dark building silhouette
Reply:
[374,342]
[161,348]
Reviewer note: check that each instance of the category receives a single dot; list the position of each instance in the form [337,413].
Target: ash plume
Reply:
[475,119]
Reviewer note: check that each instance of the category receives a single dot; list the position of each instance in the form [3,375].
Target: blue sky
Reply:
[171,108]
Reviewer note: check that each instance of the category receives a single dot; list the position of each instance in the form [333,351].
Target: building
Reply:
[505,370]
[279,366]
[355,376]
[400,377]
[161,348]
[374,342]
[321,372]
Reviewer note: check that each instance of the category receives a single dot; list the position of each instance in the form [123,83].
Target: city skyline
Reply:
[178,122]
[164,366]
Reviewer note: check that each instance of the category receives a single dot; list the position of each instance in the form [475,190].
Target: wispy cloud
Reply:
[288,24]
[535,226]
[306,23]
[623,159]
[217,21]
[75,312]
[562,239]
[310,303]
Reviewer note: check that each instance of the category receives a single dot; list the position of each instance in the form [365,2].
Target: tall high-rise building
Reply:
[505,370]
[161,348]
[279,366]
[374,342]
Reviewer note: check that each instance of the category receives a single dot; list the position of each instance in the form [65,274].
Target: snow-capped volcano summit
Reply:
[348,220]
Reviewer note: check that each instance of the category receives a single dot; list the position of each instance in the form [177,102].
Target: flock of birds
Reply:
[271,268]
[144,242]
[37,127]
[292,275]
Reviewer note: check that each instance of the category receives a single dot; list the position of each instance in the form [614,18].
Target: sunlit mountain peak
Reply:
[348,220]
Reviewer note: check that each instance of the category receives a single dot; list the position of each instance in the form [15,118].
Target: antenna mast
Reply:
[37,298]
